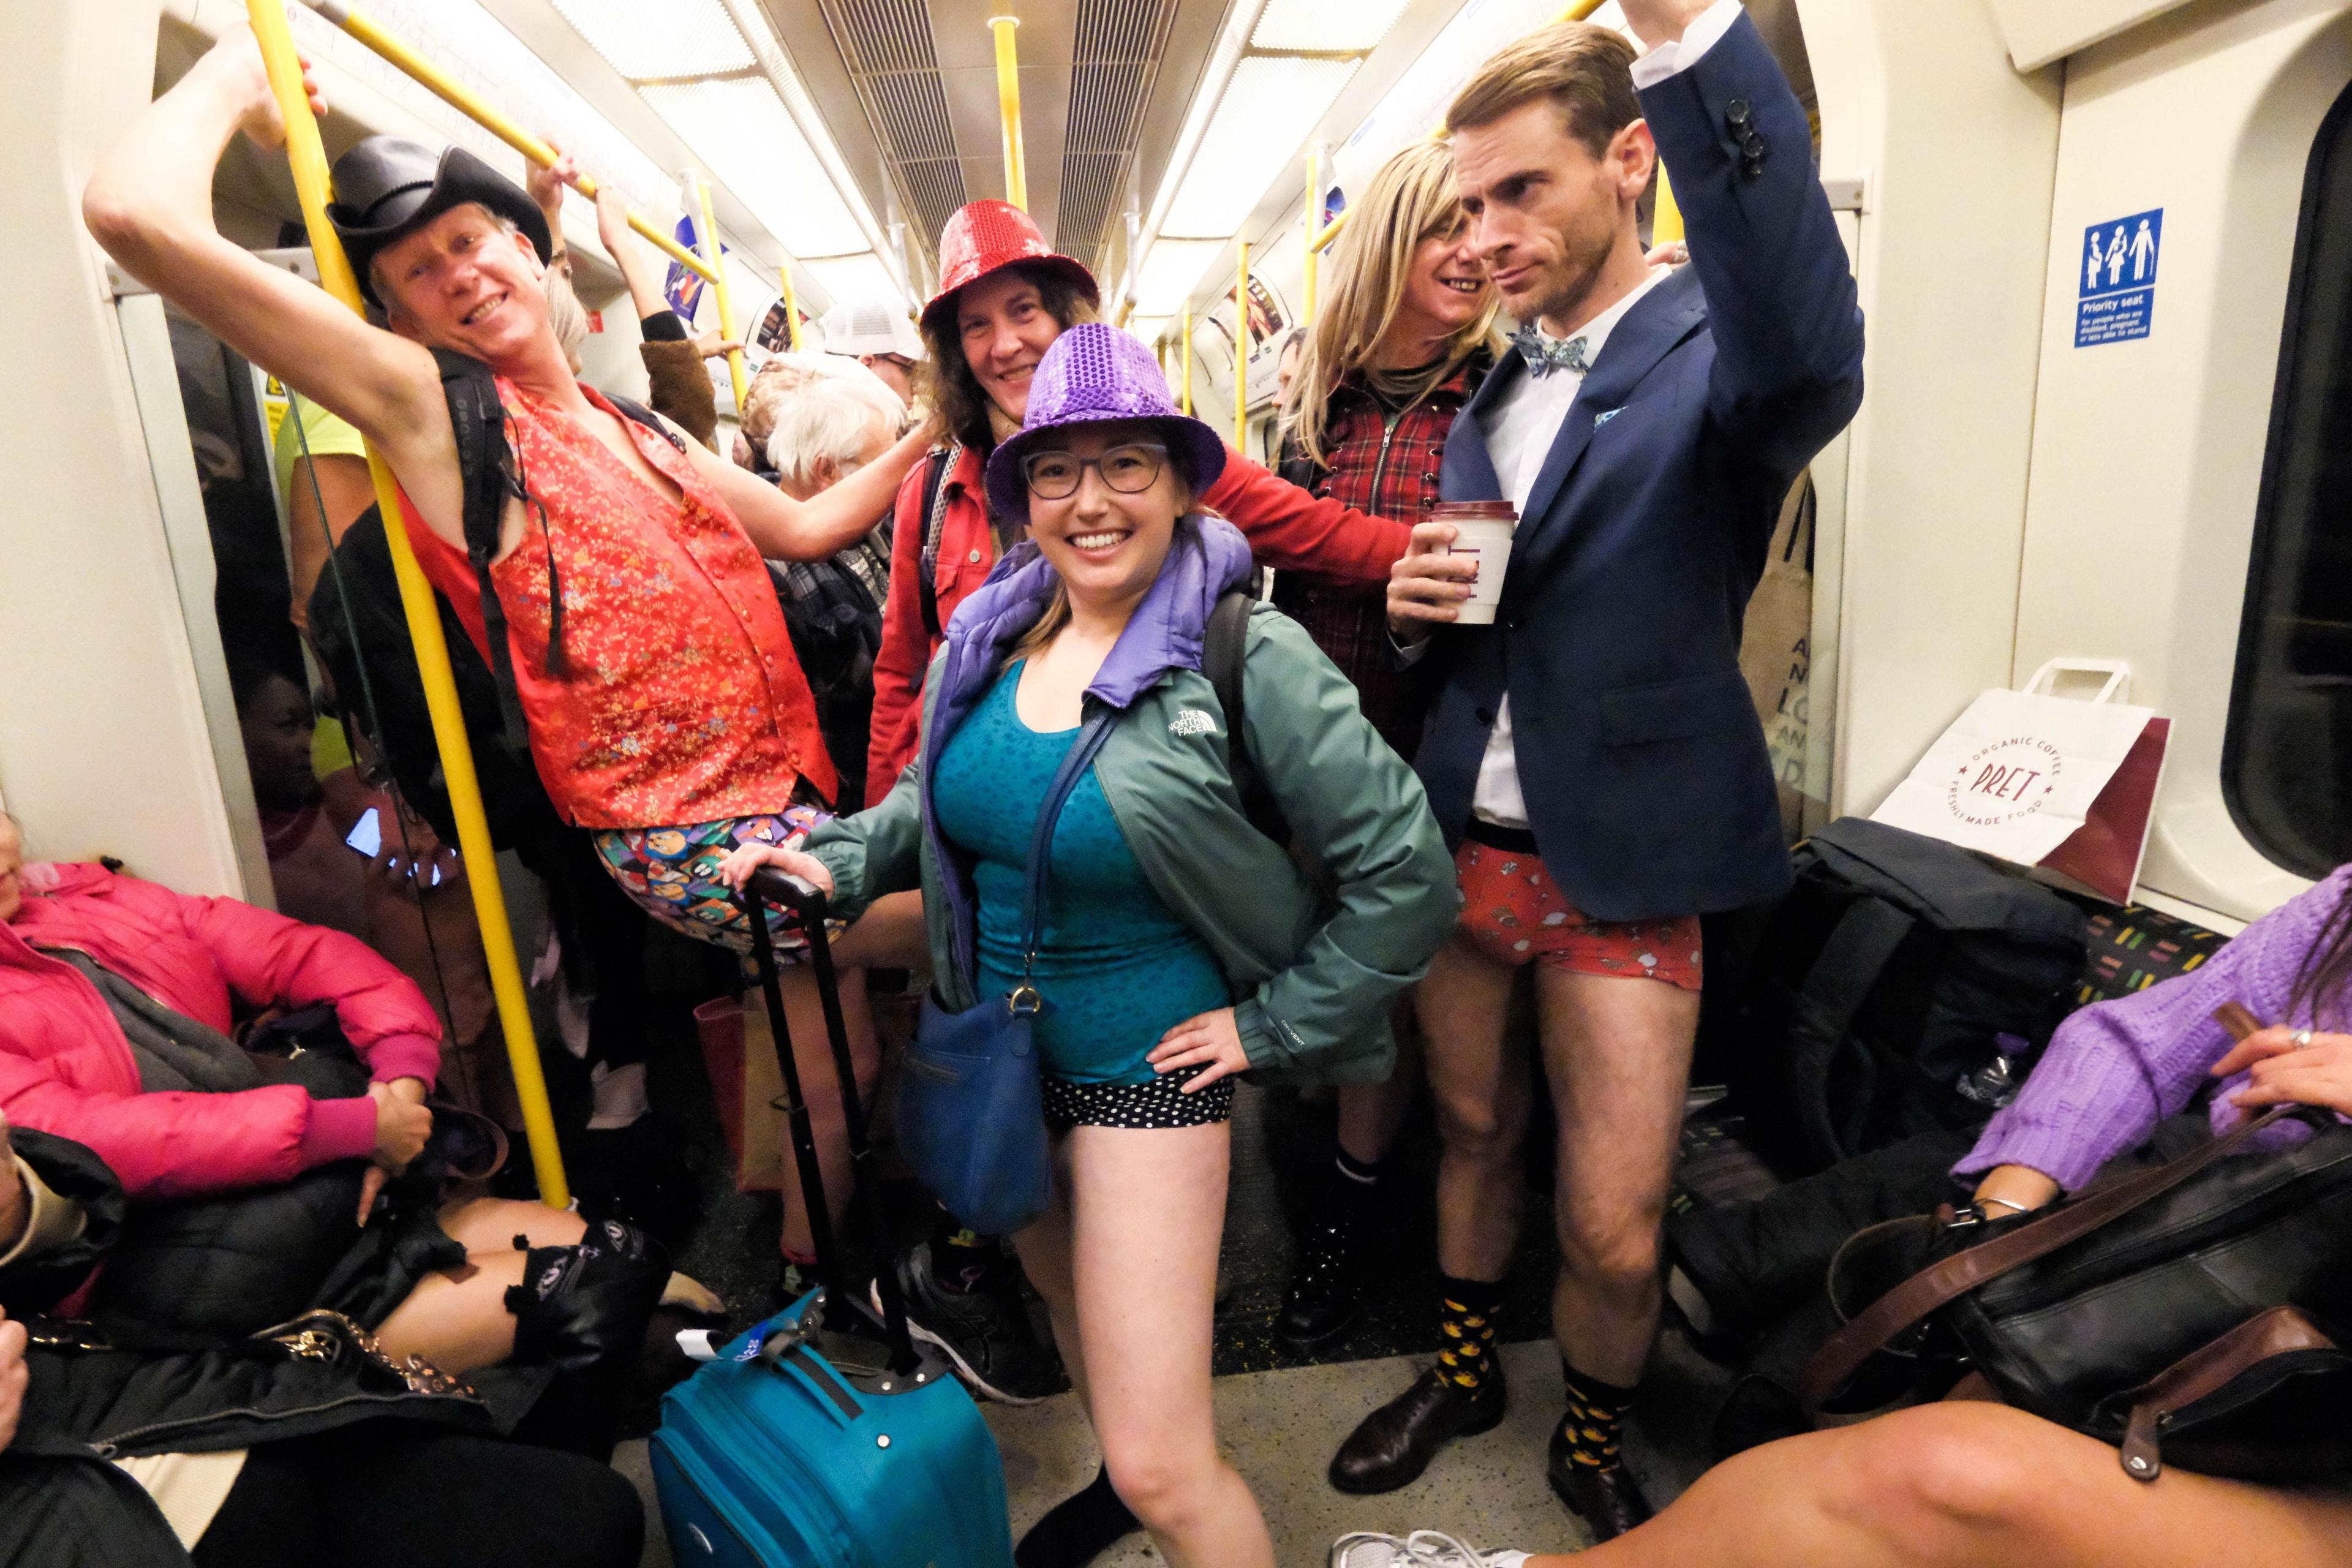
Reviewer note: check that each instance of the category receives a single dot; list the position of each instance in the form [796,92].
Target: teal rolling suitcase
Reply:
[801,1448]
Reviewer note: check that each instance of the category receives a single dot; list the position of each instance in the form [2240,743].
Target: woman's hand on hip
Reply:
[1210,1041]
[792,860]
[2291,1066]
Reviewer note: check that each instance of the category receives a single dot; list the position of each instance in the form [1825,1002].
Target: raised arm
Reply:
[1779,292]
[638,270]
[1295,530]
[788,530]
[149,203]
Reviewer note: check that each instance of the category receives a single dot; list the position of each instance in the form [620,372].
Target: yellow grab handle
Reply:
[309,157]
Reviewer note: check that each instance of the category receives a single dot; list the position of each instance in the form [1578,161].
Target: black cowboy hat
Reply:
[387,186]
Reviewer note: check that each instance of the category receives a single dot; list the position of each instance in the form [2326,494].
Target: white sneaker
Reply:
[1421,1549]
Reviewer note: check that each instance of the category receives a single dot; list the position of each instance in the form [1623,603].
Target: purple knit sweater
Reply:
[2115,1068]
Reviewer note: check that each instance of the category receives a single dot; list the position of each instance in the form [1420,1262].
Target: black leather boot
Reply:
[1607,1499]
[1327,1284]
[1395,1443]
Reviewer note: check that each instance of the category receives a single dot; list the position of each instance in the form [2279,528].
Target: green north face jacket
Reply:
[1315,946]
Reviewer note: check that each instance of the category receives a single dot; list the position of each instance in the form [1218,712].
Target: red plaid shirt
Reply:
[1387,465]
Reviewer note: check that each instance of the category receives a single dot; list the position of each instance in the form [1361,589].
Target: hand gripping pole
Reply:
[309,157]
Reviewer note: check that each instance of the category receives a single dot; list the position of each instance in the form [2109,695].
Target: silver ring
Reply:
[2301,1038]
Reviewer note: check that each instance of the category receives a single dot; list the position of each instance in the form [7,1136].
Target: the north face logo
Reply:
[1193,722]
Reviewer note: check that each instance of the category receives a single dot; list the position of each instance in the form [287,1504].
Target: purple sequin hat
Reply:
[1093,373]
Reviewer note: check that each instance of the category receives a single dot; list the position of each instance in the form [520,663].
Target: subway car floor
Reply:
[1279,1415]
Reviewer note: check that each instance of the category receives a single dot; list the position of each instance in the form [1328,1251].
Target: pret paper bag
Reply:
[2060,784]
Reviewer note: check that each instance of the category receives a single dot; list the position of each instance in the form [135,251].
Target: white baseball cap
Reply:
[870,327]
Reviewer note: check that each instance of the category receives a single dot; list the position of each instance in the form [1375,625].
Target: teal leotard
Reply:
[1116,969]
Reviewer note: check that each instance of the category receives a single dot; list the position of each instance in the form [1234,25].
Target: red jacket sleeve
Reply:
[168,1144]
[1293,530]
[906,650]
[271,961]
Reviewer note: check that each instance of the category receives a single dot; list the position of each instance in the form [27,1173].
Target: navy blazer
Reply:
[1644,764]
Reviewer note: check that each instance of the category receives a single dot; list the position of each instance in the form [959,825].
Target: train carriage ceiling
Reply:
[844,131]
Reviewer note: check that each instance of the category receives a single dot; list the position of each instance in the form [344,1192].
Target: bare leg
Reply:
[1371,1114]
[457,1318]
[1617,1051]
[1146,1207]
[1045,1249]
[820,1086]
[1971,1485]
[1481,1091]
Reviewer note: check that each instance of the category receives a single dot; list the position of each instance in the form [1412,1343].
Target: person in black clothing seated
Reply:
[304,1447]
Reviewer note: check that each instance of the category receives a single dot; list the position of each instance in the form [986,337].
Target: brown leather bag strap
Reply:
[1842,1354]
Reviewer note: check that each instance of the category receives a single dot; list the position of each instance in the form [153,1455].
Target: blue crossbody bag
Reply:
[971,1116]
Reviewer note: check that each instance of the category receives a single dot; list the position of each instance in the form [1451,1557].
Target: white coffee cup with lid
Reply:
[1481,530]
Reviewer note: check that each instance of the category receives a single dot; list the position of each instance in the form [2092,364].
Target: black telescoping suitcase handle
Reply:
[807,904]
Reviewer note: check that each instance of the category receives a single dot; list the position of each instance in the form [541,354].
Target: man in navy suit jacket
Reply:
[1595,754]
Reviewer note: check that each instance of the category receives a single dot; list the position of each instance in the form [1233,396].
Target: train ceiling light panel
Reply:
[1269,105]
[675,38]
[1325,27]
[740,129]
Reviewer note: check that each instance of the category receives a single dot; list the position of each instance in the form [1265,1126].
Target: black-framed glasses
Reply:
[1130,469]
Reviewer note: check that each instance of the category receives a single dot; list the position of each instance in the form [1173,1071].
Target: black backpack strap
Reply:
[1225,654]
[1859,948]
[485,468]
[935,522]
[648,418]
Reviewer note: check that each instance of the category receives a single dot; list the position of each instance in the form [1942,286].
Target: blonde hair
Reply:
[1411,199]
[566,315]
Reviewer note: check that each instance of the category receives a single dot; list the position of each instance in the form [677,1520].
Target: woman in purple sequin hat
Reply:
[1181,945]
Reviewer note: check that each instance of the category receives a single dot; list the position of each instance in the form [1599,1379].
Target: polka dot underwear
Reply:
[1160,1103]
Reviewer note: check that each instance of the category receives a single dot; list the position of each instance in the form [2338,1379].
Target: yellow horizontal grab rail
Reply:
[308,155]
[462,98]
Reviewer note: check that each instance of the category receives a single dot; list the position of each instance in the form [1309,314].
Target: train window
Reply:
[2286,764]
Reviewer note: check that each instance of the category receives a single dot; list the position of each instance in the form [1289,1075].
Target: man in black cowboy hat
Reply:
[452,252]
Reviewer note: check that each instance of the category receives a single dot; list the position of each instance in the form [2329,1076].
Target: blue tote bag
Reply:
[972,1118]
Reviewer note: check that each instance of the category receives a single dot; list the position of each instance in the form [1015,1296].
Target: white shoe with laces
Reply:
[1421,1549]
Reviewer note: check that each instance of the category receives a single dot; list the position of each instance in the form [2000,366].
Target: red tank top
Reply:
[684,702]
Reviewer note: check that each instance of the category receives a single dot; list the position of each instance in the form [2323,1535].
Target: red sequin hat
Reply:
[984,236]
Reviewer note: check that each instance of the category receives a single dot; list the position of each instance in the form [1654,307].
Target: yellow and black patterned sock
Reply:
[1595,1423]
[1465,1319]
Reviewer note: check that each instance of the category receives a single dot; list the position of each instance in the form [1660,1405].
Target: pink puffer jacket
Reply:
[65,1066]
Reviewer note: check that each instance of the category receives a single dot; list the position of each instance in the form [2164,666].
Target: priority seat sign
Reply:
[2115,279]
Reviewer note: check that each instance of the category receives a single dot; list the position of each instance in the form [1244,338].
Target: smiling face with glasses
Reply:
[1103,505]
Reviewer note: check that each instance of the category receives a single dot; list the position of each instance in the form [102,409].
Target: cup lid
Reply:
[1474,508]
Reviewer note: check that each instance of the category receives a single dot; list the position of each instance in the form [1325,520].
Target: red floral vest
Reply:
[684,702]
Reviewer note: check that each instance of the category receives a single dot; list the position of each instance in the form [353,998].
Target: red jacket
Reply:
[65,1069]
[1288,528]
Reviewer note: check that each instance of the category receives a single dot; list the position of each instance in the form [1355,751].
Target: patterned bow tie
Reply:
[1545,355]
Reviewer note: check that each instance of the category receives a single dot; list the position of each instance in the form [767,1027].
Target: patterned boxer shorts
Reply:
[1513,913]
[672,874]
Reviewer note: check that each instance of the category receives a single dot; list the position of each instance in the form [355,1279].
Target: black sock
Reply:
[1465,1316]
[1595,1421]
[1078,1529]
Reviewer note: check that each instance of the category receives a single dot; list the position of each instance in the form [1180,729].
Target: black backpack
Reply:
[1897,970]
[1224,646]
[360,629]
[833,612]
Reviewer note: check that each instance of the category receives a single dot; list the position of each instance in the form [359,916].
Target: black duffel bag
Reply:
[1897,970]
[2199,1306]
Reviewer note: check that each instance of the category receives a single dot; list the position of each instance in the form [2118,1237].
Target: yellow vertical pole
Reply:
[1313,202]
[309,157]
[1188,360]
[717,258]
[1241,349]
[1666,218]
[792,309]
[1008,105]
